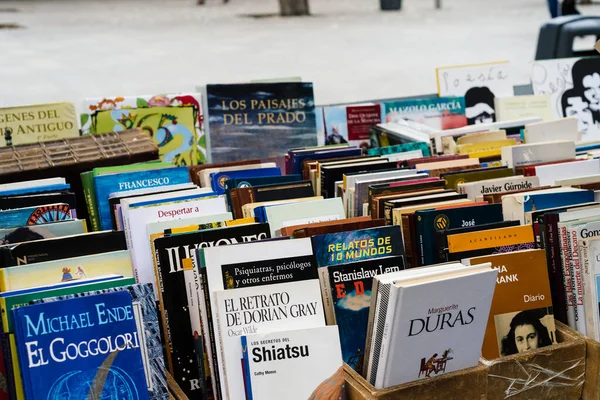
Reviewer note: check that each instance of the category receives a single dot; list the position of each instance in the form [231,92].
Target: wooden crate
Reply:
[591,386]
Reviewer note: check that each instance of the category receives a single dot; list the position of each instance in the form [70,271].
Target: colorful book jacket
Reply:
[35,215]
[438,113]
[148,330]
[364,244]
[170,251]
[350,287]
[94,353]
[45,231]
[40,199]
[347,124]
[401,148]
[175,121]
[259,120]
[218,179]
[111,183]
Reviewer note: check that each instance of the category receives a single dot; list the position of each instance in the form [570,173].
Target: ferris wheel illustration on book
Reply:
[435,364]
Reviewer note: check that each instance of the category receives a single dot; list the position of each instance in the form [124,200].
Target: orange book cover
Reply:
[486,239]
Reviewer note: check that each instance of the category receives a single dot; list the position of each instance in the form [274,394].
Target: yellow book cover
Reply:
[490,238]
[481,137]
[521,107]
[38,123]
[521,316]
[485,146]
[485,154]
[15,367]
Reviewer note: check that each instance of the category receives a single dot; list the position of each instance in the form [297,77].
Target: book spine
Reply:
[234,205]
[129,242]
[246,369]
[8,367]
[566,270]
[589,295]
[407,240]
[387,212]
[163,311]
[557,287]
[89,192]
[20,388]
[245,196]
[326,295]
[4,281]
[576,279]
[384,336]
[419,232]
[370,328]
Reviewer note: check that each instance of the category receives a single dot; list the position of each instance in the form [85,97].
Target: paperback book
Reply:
[35,215]
[45,231]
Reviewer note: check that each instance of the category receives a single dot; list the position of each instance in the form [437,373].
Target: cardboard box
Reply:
[591,387]
[552,372]
[469,384]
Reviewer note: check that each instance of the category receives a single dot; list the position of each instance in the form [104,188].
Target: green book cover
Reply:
[131,167]
[454,179]
[89,192]
[9,302]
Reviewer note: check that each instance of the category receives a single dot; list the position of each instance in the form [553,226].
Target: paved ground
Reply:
[68,50]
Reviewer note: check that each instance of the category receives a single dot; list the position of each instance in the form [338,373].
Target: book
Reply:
[270,117]
[257,210]
[147,327]
[62,247]
[40,199]
[235,183]
[106,318]
[257,310]
[527,106]
[347,224]
[118,182]
[549,174]
[559,129]
[341,124]
[303,212]
[521,317]
[143,210]
[378,192]
[38,123]
[484,149]
[591,278]
[456,178]
[36,232]
[20,187]
[480,84]
[35,215]
[467,245]
[535,153]
[218,179]
[514,206]
[441,165]
[170,251]
[438,113]
[297,158]
[329,174]
[397,213]
[418,199]
[577,181]
[436,335]
[270,192]
[430,221]
[204,175]
[272,371]
[52,272]
[347,296]
[477,189]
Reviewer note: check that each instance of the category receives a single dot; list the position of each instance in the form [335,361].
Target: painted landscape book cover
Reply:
[96,353]
[259,120]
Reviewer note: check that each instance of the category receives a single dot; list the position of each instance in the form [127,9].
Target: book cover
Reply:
[521,316]
[549,174]
[259,120]
[416,147]
[521,107]
[490,241]
[44,231]
[40,199]
[218,179]
[350,124]
[376,191]
[35,215]
[429,221]
[555,129]
[147,326]
[38,123]
[256,310]
[329,174]
[298,159]
[175,122]
[170,251]
[364,244]
[476,190]
[234,183]
[271,362]
[438,113]
[536,153]
[107,184]
[514,207]
[485,174]
[272,192]
[70,269]
[552,247]
[590,261]
[107,361]
[349,297]
[417,199]
[63,247]
[303,212]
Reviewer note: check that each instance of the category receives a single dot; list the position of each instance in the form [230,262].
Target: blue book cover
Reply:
[120,182]
[38,189]
[427,222]
[259,120]
[363,244]
[35,215]
[218,179]
[86,348]
[552,200]
[146,318]
[350,286]
[297,159]
[260,213]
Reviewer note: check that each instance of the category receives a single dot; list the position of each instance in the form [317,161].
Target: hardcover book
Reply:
[347,297]
[45,231]
[218,179]
[70,269]
[271,371]
[438,113]
[259,120]
[110,183]
[204,175]
[36,215]
[170,251]
[102,328]
[148,331]
[358,245]
[521,316]
[256,310]
[63,247]
[297,158]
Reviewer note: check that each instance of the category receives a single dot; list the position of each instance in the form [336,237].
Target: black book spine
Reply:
[557,287]
[210,341]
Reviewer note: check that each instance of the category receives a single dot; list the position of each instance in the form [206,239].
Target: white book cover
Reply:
[560,129]
[138,212]
[578,180]
[406,155]
[261,309]
[304,213]
[549,174]
[152,190]
[159,227]
[476,190]
[590,250]
[435,327]
[537,153]
[32,184]
[514,206]
[272,362]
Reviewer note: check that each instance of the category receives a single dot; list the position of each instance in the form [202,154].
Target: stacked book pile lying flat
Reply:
[242,242]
